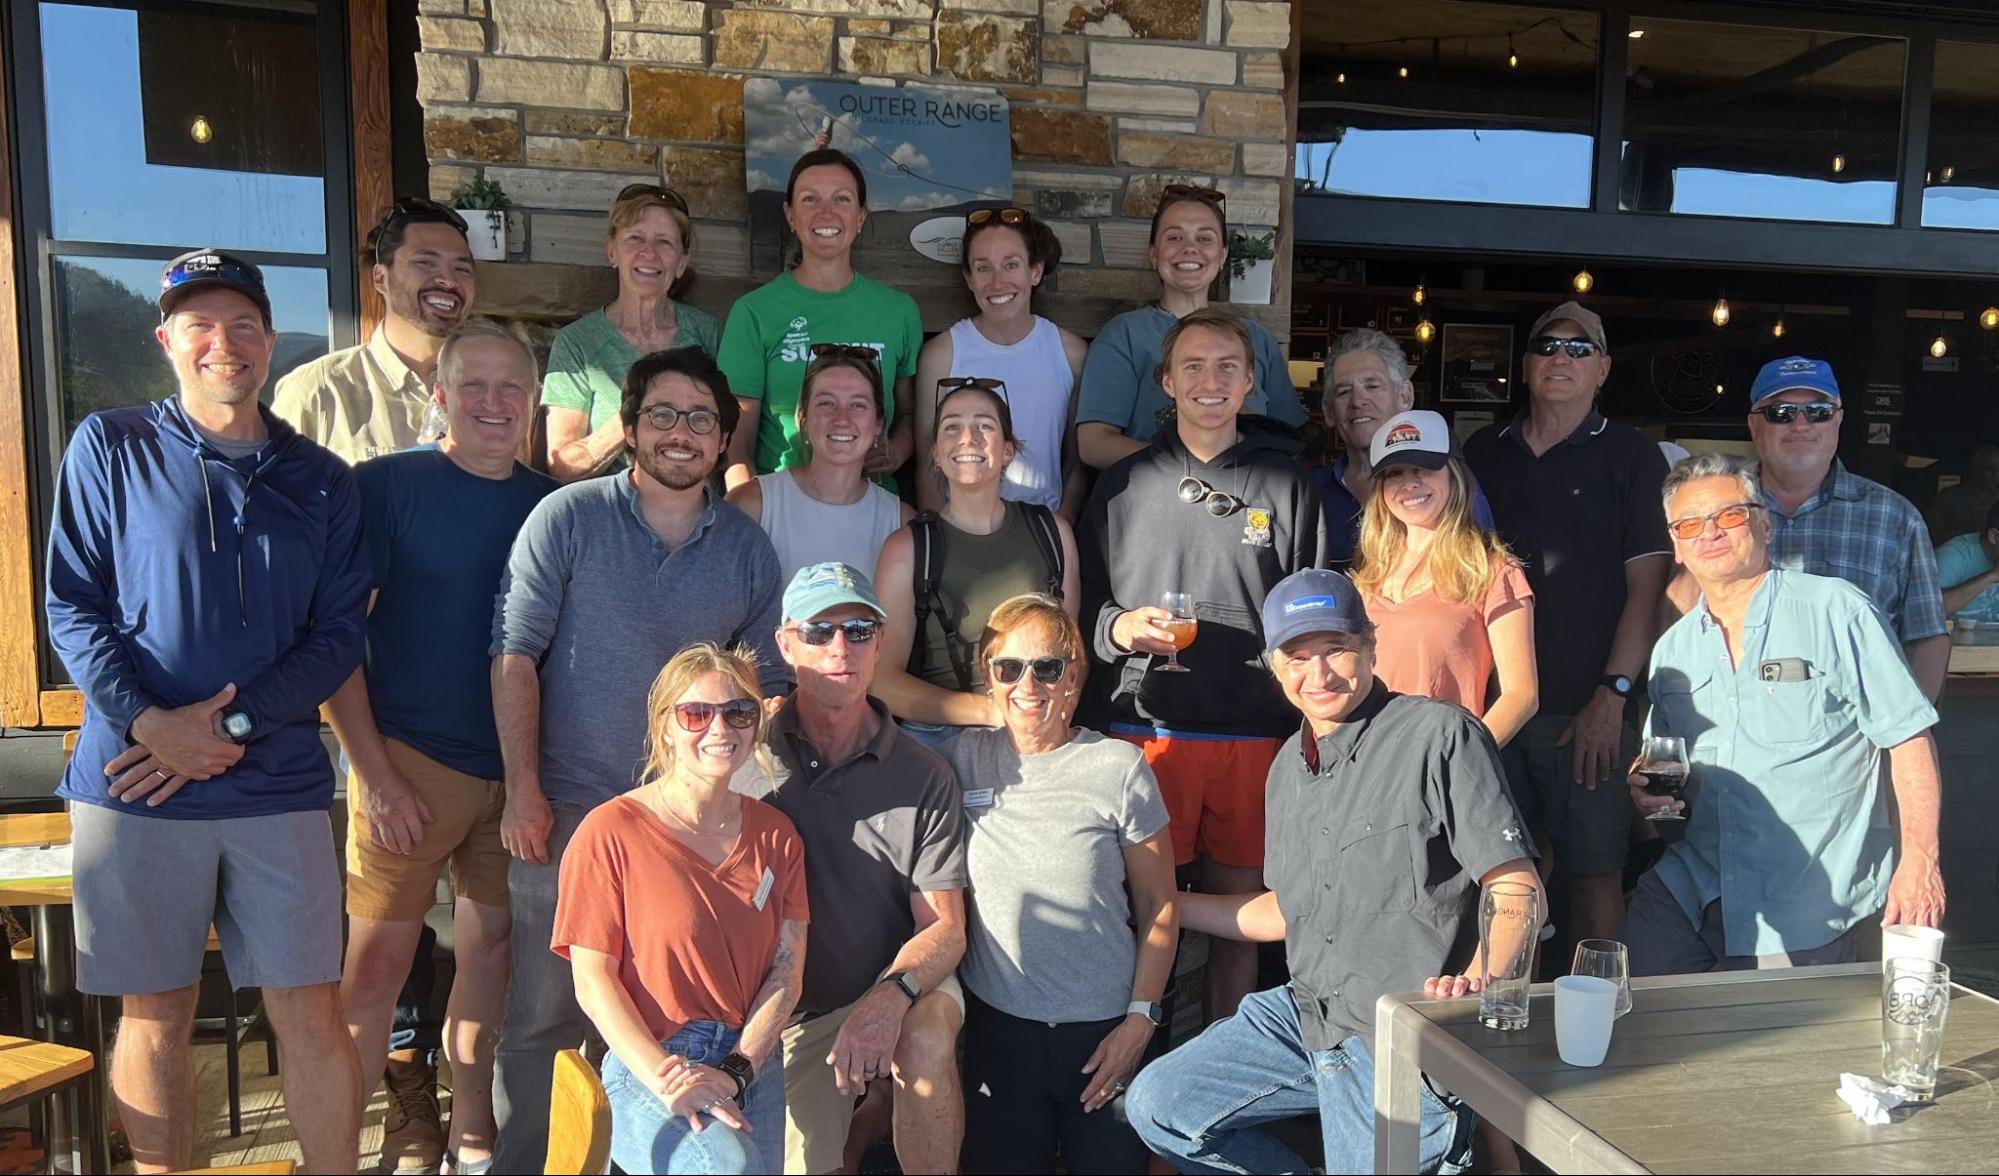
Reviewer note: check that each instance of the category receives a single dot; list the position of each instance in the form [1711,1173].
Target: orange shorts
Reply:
[1213,790]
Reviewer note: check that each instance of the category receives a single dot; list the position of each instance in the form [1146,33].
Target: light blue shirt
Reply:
[1787,823]
[1961,559]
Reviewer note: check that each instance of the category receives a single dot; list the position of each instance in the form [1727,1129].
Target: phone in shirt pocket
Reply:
[1796,707]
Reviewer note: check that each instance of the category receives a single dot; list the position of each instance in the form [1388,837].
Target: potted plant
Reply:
[1251,258]
[484,204]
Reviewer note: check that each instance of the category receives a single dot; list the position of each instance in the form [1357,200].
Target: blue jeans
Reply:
[1203,1106]
[646,1137]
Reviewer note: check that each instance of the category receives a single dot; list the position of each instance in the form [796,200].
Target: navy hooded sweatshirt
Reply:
[174,571]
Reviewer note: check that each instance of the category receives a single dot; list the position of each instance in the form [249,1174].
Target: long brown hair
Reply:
[1462,559]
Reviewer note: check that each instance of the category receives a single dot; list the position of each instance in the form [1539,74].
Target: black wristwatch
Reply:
[1619,684]
[901,980]
[738,1067]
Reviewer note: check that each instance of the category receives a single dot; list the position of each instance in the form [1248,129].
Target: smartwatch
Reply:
[1619,684]
[738,1067]
[236,726]
[1150,1010]
[902,981]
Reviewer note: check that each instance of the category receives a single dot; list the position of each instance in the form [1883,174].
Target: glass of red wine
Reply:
[1662,761]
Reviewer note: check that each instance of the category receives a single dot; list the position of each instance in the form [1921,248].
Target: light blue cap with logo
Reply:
[820,587]
[1312,601]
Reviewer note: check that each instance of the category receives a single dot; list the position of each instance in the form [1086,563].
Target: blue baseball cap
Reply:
[1794,372]
[1312,601]
[818,588]
[202,269]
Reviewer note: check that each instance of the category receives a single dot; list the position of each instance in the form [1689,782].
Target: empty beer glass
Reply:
[1509,924]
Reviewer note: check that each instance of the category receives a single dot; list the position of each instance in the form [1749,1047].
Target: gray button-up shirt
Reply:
[1376,837]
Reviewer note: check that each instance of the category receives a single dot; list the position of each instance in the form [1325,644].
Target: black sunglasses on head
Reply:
[950,384]
[1047,670]
[844,351]
[656,191]
[1784,414]
[430,210]
[1176,192]
[1545,345]
[858,631]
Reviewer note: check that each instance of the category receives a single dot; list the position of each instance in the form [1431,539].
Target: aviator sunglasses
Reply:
[739,713]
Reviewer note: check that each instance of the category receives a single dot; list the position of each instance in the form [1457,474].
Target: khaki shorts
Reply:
[816,1113]
[464,830]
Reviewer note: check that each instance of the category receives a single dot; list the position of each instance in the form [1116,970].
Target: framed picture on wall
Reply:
[1477,364]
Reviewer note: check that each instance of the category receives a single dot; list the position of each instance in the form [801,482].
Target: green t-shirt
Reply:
[769,338]
[589,358]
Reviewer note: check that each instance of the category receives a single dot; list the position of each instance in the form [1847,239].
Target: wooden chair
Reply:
[579,1119]
[266,1168]
[31,1071]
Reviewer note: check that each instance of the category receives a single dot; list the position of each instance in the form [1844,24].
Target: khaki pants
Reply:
[817,1113]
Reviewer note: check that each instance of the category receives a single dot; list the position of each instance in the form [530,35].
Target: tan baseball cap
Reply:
[1576,313]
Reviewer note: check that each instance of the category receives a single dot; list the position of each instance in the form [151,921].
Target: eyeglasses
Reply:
[950,384]
[1728,518]
[658,192]
[858,631]
[1784,414]
[205,266]
[1195,492]
[739,713]
[1173,193]
[1007,216]
[1545,345]
[1047,670]
[665,416]
[410,206]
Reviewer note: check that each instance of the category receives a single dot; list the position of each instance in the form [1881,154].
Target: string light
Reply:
[1419,295]
[1777,329]
[1583,281]
[1342,79]
[1425,331]
[1720,312]
[1401,71]
[1636,34]
[1838,163]
[1948,172]
[1512,58]
[1990,319]
[1939,347]
[200,131]
[1719,390]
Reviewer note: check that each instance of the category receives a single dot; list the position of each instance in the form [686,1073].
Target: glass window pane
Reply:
[106,355]
[1962,188]
[1740,120]
[1446,100]
[196,127]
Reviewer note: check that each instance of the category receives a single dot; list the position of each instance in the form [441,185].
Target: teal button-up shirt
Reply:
[1787,824]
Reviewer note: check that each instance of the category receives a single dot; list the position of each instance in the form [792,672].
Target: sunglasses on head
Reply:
[1784,414]
[1728,518]
[410,206]
[212,265]
[739,713]
[658,192]
[1195,492]
[858,631]
[665,416]
[844,351]
[1047,670]
[1006,216]
[950,384]
[1178,192]
[1545,345]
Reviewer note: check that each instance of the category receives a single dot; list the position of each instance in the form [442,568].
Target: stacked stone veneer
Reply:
[566,101]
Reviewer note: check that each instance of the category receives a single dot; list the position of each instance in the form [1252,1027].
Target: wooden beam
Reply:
[62,708]
[374,161]
[20,648]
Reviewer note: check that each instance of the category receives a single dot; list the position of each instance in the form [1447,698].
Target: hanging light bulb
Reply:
[1584,281]
[1425,331]
[1512,58]
[1342,78]
[200,131]
[1419,294]
[1939,347]
[1777,329]
[1948,172]
[1720,313]
[1838,163]
[1720,390]
[1401,71]
[1636,34]
[1990,318]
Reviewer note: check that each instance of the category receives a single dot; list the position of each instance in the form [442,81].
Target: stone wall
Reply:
[566,101]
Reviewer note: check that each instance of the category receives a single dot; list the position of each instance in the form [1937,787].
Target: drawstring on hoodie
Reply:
[208,499]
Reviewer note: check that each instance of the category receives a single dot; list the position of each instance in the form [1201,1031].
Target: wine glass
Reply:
[1662,761]
[1606,959]
[1179,628]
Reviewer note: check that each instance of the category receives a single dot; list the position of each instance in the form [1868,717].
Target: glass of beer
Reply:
[1179,628]
[1662,761]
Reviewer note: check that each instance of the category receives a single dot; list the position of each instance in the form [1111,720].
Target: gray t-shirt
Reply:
[1051,937]
[592,594]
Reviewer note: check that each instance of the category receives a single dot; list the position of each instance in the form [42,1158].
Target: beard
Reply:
[406,303]
[674,475]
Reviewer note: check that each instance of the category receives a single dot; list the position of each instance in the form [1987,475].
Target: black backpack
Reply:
[928,557]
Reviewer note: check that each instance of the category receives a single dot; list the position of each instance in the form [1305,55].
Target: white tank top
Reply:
[1038,385]
[806,531]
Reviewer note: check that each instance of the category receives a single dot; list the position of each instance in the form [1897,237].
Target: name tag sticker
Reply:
[978,798]
[764,889]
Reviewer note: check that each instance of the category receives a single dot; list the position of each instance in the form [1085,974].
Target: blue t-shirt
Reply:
[1961,559]
[438,538]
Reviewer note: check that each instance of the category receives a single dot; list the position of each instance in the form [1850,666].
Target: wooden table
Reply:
[1722,1072]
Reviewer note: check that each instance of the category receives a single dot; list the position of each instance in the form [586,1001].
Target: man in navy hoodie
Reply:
[1217,508]
[206,590]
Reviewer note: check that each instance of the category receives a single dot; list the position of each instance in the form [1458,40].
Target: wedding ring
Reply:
[157,772]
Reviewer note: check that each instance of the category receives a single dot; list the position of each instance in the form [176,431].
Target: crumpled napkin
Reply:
[1869,1100]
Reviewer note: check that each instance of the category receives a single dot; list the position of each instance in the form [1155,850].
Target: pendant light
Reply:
[1584,281]
[1720,312]
[1990,318]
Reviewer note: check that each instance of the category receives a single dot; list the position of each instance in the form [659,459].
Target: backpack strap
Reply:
[1047,540]
[923,582]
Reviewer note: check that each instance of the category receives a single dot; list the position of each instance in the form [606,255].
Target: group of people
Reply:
[824,820]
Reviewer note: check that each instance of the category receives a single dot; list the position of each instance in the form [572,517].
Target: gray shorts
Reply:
[147,889]
[1662,941]
[1589,829]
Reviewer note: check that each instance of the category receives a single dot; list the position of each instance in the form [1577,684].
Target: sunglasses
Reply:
[844,351]
[212,265]
[1195,492]
[1006,216]
[1545,345]
[410,206]
[1728,518]
[1176,192]
[950,384]
[1784,414]
[1047,670]
[858,631]
[739,713]
[658,192]
[665,416]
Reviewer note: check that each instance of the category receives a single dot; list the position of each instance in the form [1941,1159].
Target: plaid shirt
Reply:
[1871,537]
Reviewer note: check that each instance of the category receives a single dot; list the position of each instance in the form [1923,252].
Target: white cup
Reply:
[1908,941]
[1585,1009]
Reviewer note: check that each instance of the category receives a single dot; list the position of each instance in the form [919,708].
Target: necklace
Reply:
[695,827]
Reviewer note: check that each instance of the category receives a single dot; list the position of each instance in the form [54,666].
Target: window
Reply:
[1742,120]
[1961,190]
[1447,100]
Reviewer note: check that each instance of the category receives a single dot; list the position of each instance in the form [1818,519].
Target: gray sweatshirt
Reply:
[592,594]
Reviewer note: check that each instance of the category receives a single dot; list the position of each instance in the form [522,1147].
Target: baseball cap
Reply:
[819,587]
[1579,314]
[201,269]
[1794,371]
[1312,601]
[1417,438]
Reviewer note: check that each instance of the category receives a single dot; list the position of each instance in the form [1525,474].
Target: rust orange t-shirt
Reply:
[693,941]
[1439,648]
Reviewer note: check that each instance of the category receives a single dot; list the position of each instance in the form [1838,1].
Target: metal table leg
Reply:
[1397,1108]
[72,1019]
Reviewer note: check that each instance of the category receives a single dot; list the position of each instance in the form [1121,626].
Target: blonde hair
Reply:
[690,665]
[1037,610]
[481,327]
[626,213]
[1462,560]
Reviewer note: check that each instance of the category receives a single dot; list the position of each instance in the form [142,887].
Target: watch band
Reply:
[909,989]
[1619,685]
[1151,1010]
[738,1067]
